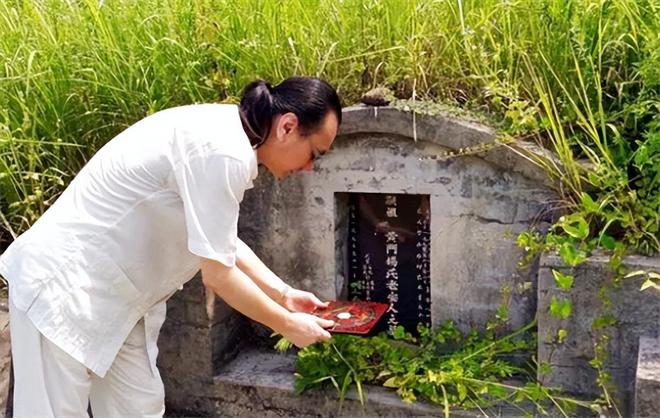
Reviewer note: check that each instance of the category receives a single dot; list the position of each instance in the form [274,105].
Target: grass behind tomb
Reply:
[585,74]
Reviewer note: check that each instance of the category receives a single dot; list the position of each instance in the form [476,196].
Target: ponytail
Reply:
[256,110]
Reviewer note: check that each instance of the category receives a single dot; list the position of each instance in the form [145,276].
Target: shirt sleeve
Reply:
[211,188]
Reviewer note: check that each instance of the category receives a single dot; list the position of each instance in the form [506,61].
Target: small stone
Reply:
[380,96]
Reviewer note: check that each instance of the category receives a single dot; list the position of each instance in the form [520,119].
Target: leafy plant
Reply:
[442,366]
[651,279]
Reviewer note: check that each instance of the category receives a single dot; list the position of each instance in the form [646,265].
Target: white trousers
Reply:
[50,383]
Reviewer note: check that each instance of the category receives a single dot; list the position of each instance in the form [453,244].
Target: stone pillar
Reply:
[647,382]
[636,312]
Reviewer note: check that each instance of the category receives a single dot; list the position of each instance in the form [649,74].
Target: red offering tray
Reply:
[352,317]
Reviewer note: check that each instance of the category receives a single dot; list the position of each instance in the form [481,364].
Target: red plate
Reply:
[352,317]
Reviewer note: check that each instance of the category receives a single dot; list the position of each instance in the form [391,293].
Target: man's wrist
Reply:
[282,292]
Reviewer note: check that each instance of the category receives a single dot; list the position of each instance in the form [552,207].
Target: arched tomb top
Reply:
[448,131]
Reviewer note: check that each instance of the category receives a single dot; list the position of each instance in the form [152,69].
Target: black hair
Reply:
[309,98]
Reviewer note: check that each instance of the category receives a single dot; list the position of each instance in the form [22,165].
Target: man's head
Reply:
[292,123]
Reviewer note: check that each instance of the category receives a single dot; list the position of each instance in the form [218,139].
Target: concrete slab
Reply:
[647,380]
[259,383]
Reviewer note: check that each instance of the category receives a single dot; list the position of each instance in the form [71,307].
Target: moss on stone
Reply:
[431,108]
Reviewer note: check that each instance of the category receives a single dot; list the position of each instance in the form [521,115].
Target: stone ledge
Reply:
[599,259]
[261,383]
[647,382]
[266,381]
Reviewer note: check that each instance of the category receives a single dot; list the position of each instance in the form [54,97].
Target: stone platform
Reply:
[260,384]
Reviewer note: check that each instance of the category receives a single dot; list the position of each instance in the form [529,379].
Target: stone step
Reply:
[259,383]
[647,380]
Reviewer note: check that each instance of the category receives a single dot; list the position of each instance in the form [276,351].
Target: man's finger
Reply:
[317,302]
[325,323]
[325,336]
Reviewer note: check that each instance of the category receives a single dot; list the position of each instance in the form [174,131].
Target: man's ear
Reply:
[288,122]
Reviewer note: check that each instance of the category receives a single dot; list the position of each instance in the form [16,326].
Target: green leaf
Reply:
[392,382]
[570,254]
[383,373]
[462,391]
[608,242]
[575,225]
[563,281]
[560,308]
[282,345]
[651,277]
[649,283]
[407,396]
[635,273]
[399,333]
[497,391]
[561,335]
[603,321]
[544,368]
[502,312]
[594,179]
[588,203]
[299,386]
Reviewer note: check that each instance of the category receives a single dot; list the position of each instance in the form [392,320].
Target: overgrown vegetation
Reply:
[442,367]
[582,74]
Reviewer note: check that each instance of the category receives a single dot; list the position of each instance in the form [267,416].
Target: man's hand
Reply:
[300,301]
[242,294]
[302,329]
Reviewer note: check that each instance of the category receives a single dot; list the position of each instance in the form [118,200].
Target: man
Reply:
[88,282]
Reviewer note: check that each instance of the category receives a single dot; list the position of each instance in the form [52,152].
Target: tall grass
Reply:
[606,112]
[76,72]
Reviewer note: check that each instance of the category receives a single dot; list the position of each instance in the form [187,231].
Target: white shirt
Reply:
[130,229]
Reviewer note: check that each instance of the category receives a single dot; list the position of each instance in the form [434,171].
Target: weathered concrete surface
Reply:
[647,382]
[260,384]
[636,311]
[194,345]
[5,360]
[450,132]
[477,208]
